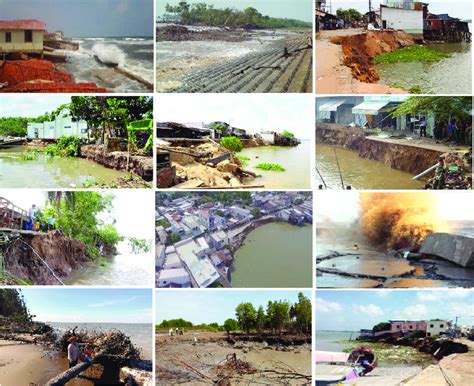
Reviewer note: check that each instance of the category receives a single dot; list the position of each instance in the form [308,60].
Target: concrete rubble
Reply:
[455,248]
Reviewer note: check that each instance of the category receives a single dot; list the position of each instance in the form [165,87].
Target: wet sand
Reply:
[180,360]
[332,77]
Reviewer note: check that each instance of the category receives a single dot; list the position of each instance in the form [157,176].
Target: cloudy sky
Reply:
[353,310]
[86,18]
[133,210]
[343,206]
[291,9]
[251,112]
[89,305]
[457,8]
[212,306]
[30,105]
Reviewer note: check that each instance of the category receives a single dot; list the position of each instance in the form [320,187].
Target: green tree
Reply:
[174,237]
[302,313]
[288,134]
[231,325]
[246,316]
[260,319]
[384,326]
[232,143]
[278,315]
[13,306]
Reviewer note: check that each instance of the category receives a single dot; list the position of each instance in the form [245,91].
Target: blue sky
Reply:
[86,18]
[89,305]
[291,9]
[459,8]
[353,310]
[212,306]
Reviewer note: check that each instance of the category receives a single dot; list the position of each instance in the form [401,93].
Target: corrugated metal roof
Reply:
[369,108]
[22,24]
[332,105]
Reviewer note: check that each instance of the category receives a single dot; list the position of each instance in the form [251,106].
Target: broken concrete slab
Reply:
[455,248]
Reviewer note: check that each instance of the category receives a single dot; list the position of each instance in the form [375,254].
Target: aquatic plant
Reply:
[243,160]
[29,155]
[270,166]
[415,90]
[232,143]
[411,54]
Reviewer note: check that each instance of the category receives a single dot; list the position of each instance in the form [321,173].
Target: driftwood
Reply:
[69,374]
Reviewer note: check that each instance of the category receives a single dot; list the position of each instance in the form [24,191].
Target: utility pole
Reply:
[370,5]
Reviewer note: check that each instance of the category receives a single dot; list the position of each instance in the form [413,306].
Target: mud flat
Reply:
[281,66]
[333,76]
[212,359]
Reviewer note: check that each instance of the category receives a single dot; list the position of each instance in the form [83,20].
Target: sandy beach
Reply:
[25,364]
[332,77]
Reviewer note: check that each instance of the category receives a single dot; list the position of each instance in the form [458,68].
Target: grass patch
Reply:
[244,160]
[411,54]
[272,167]
[415,90]
[29,155]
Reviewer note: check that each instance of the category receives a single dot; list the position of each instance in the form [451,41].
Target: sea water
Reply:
[134,54]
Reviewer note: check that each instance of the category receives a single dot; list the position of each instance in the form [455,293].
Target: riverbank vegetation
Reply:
[232,143]
[65,147]
[13,306]
[279,316]
[204,14]
[77,215]
[411,54]
[225,198]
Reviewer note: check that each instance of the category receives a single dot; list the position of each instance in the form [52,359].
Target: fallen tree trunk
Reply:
[65,377]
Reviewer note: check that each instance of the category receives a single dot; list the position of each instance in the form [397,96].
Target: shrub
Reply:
[272,167]
[232,144]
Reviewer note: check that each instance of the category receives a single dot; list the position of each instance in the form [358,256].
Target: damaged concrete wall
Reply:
[455,248]
[63,255]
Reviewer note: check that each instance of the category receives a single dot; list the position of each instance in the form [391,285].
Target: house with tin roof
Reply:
[21,35]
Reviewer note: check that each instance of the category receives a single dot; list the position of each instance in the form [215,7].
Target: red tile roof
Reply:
[22,24]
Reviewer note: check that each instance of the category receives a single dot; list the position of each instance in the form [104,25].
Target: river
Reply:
[124,269]
[274,255]
[296,161]
[448,76]
[50,172]
[360,173]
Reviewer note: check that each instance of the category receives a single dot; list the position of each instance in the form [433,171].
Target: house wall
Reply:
[18,41]
[410,21]
[436,327]
[62,126]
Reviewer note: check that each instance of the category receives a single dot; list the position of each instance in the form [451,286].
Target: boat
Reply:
[106,63]
[335,367]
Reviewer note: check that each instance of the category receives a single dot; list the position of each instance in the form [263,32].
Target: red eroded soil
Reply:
[359,50]
[38,75]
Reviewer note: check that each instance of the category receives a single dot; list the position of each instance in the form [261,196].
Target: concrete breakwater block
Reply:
[455,248]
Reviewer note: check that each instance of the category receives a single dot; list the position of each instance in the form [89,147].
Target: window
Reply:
[411,327]
[431,325]
[28,36]
[8,37]
[398,327]
[441,325]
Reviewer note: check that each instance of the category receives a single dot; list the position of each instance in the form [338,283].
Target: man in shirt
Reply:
[73,352]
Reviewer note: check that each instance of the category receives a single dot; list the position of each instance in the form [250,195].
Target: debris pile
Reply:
[206,165]
[178,33]
[453,172]
[114,345]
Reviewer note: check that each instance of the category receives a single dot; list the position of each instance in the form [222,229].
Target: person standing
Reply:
[73,352]
[31,217]
[422,127]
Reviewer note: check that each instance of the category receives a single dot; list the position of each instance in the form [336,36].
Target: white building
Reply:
[173,278]
[406,15]
[61,127]
[159,255]
[436,327]
[172,261]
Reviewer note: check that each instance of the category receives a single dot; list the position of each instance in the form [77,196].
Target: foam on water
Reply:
[109,53]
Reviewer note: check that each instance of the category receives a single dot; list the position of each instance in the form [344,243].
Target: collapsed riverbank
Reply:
[213,357]
[406,154]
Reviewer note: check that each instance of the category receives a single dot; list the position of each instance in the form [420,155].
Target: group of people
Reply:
[74,353]
[454,130]
[177,331]
[37,224]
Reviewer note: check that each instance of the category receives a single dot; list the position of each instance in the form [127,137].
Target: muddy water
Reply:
[48,172]
[448,76]
[359,172]
[284,262]
[296,161]
[123,269]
